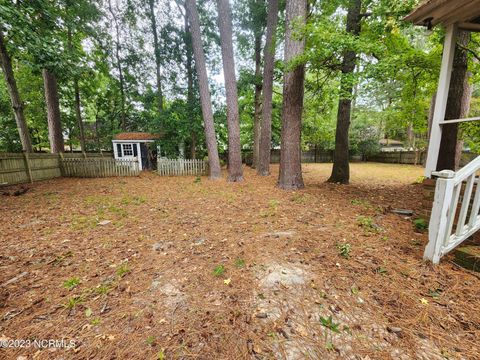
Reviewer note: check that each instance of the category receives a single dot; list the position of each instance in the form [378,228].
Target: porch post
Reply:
[441,101]
[139,156]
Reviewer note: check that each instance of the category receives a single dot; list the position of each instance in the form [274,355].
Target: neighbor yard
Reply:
[168,268]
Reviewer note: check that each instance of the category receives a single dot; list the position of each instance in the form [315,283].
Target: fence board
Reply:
[17,168]
[99,167]
[182,167]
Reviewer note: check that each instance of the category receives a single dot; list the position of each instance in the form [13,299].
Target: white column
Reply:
[441,101]
[115,155]
[139,156]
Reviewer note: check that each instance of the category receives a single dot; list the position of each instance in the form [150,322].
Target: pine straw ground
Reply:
[147,285]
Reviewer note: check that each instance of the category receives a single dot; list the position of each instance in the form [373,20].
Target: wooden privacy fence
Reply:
[21,168]
[18,168]
[98,167]
[179,167]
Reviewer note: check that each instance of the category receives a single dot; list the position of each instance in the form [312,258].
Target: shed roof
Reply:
[390,142]
[446,12]
[136,136]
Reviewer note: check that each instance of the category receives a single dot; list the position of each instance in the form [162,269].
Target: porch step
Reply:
[468,257]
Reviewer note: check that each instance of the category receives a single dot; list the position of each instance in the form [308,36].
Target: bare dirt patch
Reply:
[140,268]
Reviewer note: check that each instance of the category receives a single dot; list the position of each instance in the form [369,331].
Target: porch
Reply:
[455,211]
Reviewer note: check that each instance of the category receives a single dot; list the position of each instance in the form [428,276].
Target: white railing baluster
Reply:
[441,238]
[475,207]
[467,195]
[437,229]
[452,211]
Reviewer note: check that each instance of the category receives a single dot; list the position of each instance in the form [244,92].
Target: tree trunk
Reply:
[263,168]
[205,98]
[55,135]
[156,47]
[235,170]
[76,89]
[190,95]
[290,177]
[78,114]
[341,166]
[123,116]
[458,105]
[257,116]
[15,100]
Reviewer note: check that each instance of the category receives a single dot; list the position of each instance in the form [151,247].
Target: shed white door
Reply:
[129,151]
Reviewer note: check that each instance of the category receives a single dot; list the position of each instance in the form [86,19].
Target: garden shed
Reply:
[136,145]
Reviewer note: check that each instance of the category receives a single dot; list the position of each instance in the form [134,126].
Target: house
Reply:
[456,192]
[136,145]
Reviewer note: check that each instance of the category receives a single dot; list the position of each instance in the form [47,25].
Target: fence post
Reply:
[60,160]
[28,169]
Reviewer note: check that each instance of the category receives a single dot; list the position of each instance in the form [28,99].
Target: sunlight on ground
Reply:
[369,173]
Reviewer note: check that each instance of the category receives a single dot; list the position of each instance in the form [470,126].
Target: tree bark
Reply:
[77,103]
[205,98]
[257,116]
[78,114]
[290,176]
[55,134]
[341,167]
[15,100]
[458,105]
[263,168]
[235,170]
[190,95]
[123,115]
[158,60]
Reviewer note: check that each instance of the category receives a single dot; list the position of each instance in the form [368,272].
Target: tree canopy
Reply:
[106,55]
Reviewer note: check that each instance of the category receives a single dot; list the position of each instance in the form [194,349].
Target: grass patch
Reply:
[73,301]
[420,224]
[219,270]
[240,263]
[367,224]
[123,270]
[71,283]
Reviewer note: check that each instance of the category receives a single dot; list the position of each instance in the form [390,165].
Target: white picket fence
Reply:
[94,168]
[181,167]
[443,235]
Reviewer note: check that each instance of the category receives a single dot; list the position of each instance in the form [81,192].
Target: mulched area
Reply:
[187,268]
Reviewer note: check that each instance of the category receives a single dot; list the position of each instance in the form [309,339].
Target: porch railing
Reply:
[453,220]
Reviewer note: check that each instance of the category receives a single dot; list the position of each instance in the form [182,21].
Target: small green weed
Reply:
[420,224]
[73,302]
[240,263]
[272,209]
[382,271]
[344,250]
[330,324]
[151,340]
[366,222]
[219,270]
[123,270]
[331,327]
[71,283]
